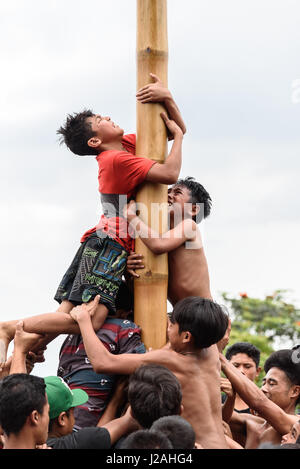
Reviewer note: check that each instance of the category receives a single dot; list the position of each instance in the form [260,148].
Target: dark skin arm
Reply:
[256,399]
[160,243]
[105,362]
[156,92]
[168,172]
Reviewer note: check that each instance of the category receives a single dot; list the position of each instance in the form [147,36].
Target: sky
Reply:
[234,71]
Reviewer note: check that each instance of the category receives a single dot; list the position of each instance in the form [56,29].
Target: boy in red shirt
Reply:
[100,262]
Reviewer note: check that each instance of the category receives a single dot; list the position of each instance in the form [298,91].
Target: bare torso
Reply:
[262,433]
[188,273]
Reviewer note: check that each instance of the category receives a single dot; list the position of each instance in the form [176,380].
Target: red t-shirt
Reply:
[120,172]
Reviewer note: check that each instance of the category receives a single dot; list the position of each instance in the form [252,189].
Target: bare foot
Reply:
[5,339]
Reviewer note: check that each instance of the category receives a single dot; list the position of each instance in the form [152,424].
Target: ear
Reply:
[61,419]
[181,409]
[195,210]
[295,391]
[258,370]
[94,142]
[187,337]
[33,418]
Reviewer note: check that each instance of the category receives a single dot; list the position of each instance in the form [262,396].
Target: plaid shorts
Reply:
[97,269]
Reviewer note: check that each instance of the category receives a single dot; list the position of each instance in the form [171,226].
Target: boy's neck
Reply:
[23,441]
[114,145]
[189,350]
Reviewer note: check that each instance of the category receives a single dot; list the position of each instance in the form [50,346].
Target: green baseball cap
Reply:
[60,397]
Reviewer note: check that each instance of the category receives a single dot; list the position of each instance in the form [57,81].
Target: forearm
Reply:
[18,363]
[94,348]
[149,236]
[110,412]
[174,113]
[227,408]
[247,389]
[174,159]
[119,427]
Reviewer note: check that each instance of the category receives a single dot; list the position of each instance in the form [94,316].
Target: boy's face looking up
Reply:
[105,131]
[246,365]
[179,200]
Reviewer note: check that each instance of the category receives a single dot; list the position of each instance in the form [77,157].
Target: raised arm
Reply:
[156,92]
[256,399]
[23,343]
[168,172]
[121,426]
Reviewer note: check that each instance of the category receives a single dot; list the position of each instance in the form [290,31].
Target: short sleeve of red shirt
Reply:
[132,169]
[120,172]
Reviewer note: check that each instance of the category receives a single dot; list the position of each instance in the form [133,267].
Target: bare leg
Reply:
[54,324]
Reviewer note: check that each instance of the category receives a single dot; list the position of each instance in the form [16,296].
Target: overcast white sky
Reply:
[233,69]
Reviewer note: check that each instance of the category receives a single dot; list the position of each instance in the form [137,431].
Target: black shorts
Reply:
[97,269]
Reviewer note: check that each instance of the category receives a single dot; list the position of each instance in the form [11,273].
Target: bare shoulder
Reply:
[164,356]
[191,231]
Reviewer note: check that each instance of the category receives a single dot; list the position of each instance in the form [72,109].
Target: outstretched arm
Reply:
[101,359]
[156,92]
[256,399]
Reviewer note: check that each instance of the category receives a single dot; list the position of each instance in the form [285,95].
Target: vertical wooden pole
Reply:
[150,290]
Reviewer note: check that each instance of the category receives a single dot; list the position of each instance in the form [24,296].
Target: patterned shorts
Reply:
[97,269]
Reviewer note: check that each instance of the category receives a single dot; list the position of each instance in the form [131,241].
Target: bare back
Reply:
[199,376]
[188,272]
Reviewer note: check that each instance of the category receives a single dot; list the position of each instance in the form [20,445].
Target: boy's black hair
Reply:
[199,195]
[146,439]
[153,392]
[246,348]
[178,430]
[76,132]
[283,360]
[204,319]
[20,394]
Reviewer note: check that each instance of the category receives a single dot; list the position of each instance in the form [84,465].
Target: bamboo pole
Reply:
[150,290]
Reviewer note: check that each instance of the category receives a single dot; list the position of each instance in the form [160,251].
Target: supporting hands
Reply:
[85,310]
[134,261]
[226,387]
[32,358]
[25,341]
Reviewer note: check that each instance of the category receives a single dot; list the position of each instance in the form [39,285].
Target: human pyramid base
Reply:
[109,391]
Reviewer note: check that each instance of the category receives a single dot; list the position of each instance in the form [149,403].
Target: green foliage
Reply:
[269,324]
